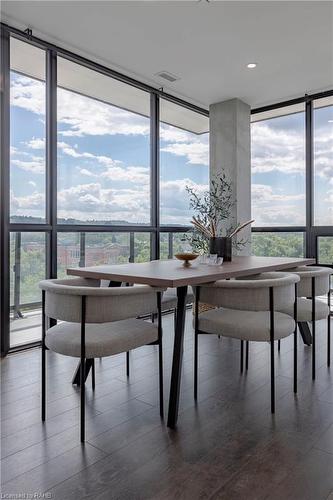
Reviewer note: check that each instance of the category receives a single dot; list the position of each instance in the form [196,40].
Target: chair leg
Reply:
[272,333]
[295,341]
[174,319]
[196,365]
[329,330]
[313,287]
[242,356]
[43,359]
[272,378]
[83,370]
[160,369]
[247,345]
[93,374]
[279,345]
[82,401]
[127,364]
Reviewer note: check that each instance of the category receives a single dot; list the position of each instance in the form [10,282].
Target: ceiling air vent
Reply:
[167,76]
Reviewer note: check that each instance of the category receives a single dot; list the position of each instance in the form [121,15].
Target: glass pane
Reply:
[325,250]
[68,252]
[323,162]
[90,249]
[103,149]
[184,160]
[141,247]
[27,268]
[172,243]
[278,170]
[27,133]
[278,244]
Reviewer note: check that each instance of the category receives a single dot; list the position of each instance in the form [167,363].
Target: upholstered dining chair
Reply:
[314,282]
[247,309]
[97,322]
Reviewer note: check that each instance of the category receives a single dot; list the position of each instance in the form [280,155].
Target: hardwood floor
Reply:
[228,446]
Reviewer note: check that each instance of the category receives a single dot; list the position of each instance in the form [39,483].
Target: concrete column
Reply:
[230,150]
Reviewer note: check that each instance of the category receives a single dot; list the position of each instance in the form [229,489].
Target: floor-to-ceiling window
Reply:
[98,171]
[27,176]
[278,181]
[292,187]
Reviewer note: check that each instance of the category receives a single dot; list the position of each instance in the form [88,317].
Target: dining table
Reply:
[173,274]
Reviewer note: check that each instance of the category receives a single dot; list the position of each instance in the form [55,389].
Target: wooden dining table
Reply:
[173,274]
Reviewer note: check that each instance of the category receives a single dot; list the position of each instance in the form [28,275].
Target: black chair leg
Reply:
[279,345]
[329,330]
[196,365]
[272,378]
[313,287]
[43,359]
[83,370]
[82,401]
[295,341]
[127,364]
[272,334]
[242,356]
[247,355]
[93,374]
[160,368]
[43,383]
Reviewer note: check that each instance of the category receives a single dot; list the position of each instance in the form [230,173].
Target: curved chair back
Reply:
[63,299]
[306,273]
[251,294]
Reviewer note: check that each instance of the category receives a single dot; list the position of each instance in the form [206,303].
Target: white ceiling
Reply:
[207,45]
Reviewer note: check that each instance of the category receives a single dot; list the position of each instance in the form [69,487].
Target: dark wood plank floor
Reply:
[228,446]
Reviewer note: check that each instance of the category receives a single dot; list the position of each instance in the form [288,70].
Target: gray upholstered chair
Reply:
[314,282]
[246,309]
[97,322]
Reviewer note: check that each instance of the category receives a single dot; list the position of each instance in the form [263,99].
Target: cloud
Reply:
[174,200]
[27,205]
[92,201]
[36,143]
[262,193]
[196,153]
[88,173]
[32,183]
[35,165]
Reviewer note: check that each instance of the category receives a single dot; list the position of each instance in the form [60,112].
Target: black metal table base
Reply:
[76,378]
[305,332]
[177,357]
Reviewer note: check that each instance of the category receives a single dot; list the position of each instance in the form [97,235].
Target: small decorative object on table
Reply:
[213,211]
[186,257]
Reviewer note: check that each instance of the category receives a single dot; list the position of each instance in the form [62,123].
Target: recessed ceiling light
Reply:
[330,121]
[252,65]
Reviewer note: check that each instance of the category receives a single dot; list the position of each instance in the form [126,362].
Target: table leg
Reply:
[177,357]
[305,332]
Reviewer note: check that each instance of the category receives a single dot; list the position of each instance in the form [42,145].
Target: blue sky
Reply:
[103,162]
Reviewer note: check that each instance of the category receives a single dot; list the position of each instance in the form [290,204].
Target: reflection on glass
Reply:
[184,159]
[27,268]
[27,133]
[278,244]
[278,170]
[103,149]
[323,162]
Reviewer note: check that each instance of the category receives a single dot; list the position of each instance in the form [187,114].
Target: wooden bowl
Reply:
[186,257]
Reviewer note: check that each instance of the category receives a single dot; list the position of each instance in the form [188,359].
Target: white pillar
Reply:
[230,150]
